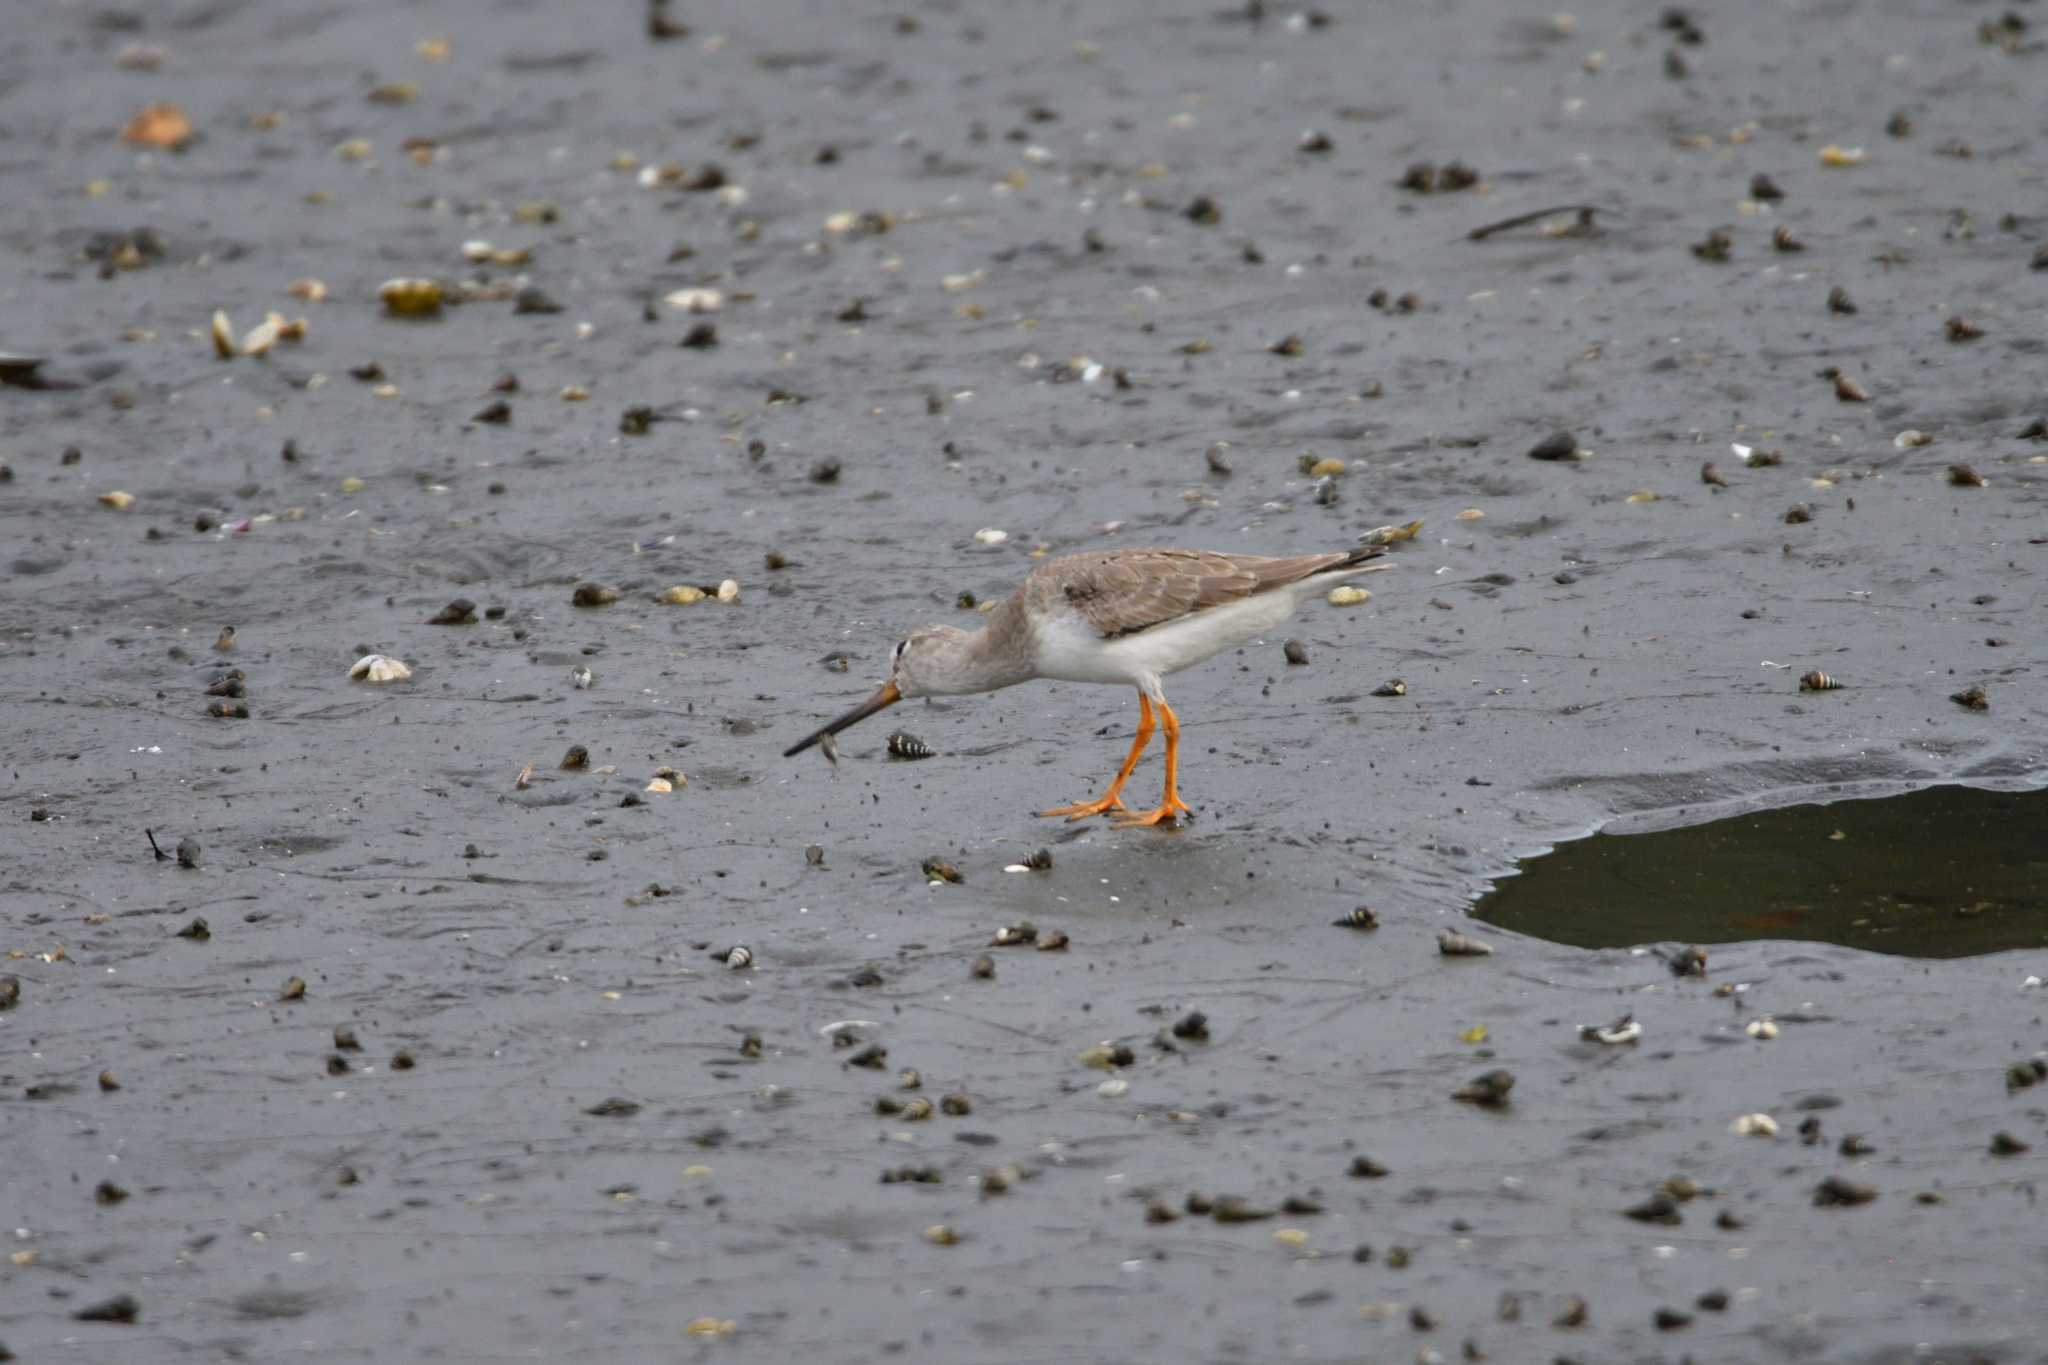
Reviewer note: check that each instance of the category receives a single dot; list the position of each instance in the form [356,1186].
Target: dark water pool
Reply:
[1941,872]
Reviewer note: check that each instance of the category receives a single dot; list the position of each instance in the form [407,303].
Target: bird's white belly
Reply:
[1071,651]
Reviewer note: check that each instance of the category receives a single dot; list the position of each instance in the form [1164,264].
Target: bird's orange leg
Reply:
[1170,804]
[1110,800]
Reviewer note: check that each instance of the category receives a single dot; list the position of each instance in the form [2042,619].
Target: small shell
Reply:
[309,289]
[1688,961]
[1762,1029]
[593,595]
[695,300]
[1784,240]
[1623,1030]
[738,957]
[1325,468]
[1489,1090]
[1910,438]
[581,678]
[1833,155]
[1642,495]
[1451,943]
[1010,935]
[1360,917]
[1754,1125]
[1052,941]
[1817,681]
[1559,445]
[711,1327]
[1471,514]
[941,1235]
[264,335]
[909,747]
[917,1110]
[682,595]
[380,668]
[118,500]
[729,591]
[1973,698]
[162,126]
[938,870]
[1711,475]
[411,298]
[1113,1087]
[1962,476]
[223,335]
[1345,595]
[659,785]
[1962,329]
[1390,535]
[672,776]
[1392,687]
[1848,390]
[989,535]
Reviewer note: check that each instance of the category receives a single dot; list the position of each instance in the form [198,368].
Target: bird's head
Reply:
[927,662]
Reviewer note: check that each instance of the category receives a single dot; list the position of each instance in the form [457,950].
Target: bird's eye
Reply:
[897,653]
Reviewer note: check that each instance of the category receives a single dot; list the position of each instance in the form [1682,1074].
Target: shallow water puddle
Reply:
[1941,872]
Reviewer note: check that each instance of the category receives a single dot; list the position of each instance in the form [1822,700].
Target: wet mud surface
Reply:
[582,1160]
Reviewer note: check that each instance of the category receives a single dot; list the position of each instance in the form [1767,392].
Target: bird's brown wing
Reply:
[1120,592]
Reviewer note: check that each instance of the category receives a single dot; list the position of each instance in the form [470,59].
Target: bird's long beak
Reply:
[884,698]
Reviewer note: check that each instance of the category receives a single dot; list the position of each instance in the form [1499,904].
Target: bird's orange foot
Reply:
[1081,810]
[1167,811]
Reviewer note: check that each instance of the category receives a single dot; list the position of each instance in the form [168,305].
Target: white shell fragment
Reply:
[1451,943]
[1113,1087]
[1348,596]
[263,335]
[1754,1125]
[682,595]
[1833,155]
[1762,1029]
[729,591]
[223,335]
[740,958]
[1623,1030]
[119,500]
[581,677]
[1909,438]
[380,668]
[989,535]
[696,300]
[659,785]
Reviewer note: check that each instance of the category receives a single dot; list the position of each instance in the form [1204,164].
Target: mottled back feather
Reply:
[1121,592]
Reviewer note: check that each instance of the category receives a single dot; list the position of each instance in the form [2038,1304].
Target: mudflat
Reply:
[803,297]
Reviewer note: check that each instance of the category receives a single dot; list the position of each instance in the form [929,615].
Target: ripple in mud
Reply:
[1942,872]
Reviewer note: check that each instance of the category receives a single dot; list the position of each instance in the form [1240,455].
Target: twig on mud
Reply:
[1583,228]
[161,856]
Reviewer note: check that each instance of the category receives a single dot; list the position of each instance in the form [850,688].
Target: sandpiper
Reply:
[1116,616]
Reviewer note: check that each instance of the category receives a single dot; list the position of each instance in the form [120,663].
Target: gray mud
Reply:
[1572,657]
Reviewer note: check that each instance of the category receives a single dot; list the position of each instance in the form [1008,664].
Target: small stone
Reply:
[1835,1192]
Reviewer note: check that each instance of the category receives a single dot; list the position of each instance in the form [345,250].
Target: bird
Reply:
[1114,616]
